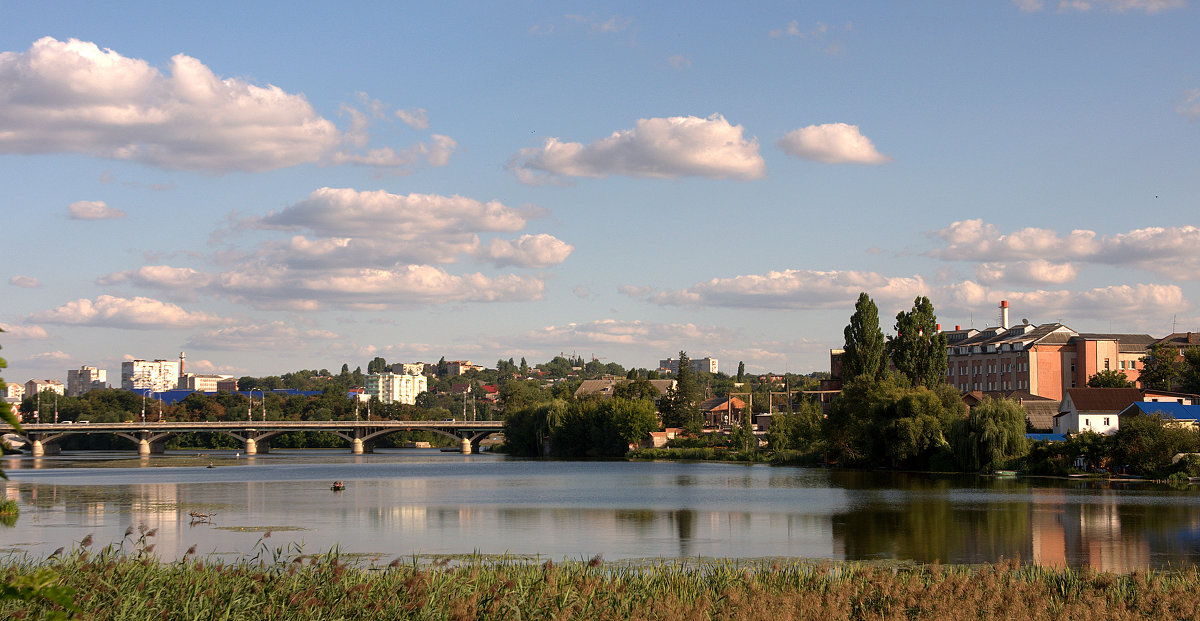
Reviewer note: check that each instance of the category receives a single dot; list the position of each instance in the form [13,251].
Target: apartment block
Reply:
[396,388]
[153,375]
[85,378]
[706,364]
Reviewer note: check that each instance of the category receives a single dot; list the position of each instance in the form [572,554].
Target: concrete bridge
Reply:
[255,436]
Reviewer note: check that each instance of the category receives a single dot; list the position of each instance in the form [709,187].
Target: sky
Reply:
[281,186]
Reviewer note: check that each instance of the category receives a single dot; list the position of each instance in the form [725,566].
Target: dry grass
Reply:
[113,584]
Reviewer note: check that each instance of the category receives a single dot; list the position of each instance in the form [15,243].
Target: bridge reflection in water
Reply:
[255,436]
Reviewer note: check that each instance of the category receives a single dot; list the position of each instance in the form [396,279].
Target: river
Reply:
[399,503]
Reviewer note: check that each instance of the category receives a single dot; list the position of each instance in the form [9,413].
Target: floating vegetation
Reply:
[262,529]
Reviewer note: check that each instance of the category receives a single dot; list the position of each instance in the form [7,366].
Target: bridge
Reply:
[255,436]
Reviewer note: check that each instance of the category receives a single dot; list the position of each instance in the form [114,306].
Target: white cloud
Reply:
[115,312]
[403,162]
[664,148]
[792,29]
[1134,306]
[160,276]
[679,61]
[612,332]
[1036,272]
[22,333]
[417,118]
[615,23]
[1190,106]
[274,336]
[26,282]
[535,251]
[1169,251]
[75,97]
[93,210]
[792,289]
[832,143]
[51,356]
[1120,6]
[1029,6]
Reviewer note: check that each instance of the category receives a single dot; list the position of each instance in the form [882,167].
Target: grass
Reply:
[125,582]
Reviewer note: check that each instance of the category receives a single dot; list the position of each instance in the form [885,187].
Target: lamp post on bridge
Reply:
[55,408]
[144,392]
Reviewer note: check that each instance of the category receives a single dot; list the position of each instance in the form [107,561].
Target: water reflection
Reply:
[397,505]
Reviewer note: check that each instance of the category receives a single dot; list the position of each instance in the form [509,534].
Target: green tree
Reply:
[1160,367]
[991,435]
[377,365]
[741,376]
[1190,373]
[918,350]
[680,407]
[1109,378]
[864,350]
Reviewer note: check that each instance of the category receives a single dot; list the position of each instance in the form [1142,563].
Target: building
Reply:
[410,368]
[37,386]
[1099,409]
[459,367]
[85,378]
[396,388]
[13,393]
[721,412]
[1180,414]
[604,387]
[207,383]
[152,375]
[1043,360]
[671,365]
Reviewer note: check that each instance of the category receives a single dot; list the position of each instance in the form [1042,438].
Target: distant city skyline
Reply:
[618,181]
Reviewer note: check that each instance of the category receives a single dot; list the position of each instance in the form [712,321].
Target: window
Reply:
[1106,366]
[1105,421]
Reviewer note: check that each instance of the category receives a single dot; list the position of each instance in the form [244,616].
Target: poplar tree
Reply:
[863,353]
[918,350]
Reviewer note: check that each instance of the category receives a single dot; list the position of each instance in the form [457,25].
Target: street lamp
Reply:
[55,408]
[250,408]
[144,391]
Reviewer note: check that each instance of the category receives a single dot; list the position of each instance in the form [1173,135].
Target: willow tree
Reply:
[990,436]
[863,353]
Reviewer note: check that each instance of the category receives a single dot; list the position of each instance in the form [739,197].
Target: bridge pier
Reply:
[356,446]
[146,447]
[466,446]
[37,449]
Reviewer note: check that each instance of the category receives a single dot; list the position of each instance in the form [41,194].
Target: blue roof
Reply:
[1167,409]
[1052,437]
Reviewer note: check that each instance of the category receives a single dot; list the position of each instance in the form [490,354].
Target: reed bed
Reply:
[116,583]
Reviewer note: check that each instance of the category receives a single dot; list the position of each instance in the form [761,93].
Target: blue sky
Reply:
[297,185]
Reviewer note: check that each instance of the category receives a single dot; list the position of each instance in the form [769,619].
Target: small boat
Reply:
[338,486]
[210,465]
[1005,473]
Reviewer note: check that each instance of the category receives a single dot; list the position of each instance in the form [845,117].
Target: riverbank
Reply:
[110,585]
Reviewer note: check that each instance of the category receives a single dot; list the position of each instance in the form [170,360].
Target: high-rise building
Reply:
[396,388]
[85,378]
[153,375]
[706,364]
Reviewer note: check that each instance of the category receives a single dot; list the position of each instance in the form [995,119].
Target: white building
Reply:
[85,378]
[207,383]
[409,368]
[35,386]
[14,392]
[153,375]
[707,364]
[396,388]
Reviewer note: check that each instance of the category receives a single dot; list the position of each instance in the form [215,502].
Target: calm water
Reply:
[405,502]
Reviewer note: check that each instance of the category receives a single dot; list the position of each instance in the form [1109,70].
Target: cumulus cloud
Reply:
[435,153]
[26,282]
[132,313]
[1036,272]
[51,356]
[274,336]
[535,251]
[23,333]
[93,210]
[72,96]
[1169,251]
[161,276]
[663,148]
[417,118]
[791,289]
[612,332]
[614,23]
[1129,303]
[832,143]
[792,29]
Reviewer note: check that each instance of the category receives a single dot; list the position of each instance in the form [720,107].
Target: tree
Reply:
[378,365]
[1190,373]
[863,352]
[741,377]
[1160,367]
[919,349]
[990,436]
[683,403]
[1109,378]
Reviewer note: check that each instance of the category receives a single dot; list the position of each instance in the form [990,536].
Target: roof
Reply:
[605,387]
[721,404]
[1100,399]
[1127,343]
[1181,339]
[1167,409]
[1050,437]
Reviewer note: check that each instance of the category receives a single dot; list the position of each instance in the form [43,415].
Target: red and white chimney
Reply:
[1004,314]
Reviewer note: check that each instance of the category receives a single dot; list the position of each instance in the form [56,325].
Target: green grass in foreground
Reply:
[115,585]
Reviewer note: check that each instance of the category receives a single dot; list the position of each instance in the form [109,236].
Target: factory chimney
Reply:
[1004,314]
